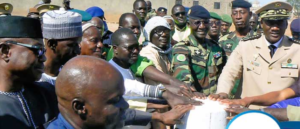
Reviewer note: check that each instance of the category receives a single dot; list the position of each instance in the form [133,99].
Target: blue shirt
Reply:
[60,123]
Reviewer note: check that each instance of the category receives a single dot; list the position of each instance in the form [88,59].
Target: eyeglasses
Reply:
[179,13]
[160,31]
[211,23]
[38,50]
[197,23]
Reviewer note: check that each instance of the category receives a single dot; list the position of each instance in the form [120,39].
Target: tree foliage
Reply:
[296,7]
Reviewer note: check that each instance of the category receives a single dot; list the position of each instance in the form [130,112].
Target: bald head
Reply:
[84,73]
[98,22]
[123,35]
[82,82]
[128,18]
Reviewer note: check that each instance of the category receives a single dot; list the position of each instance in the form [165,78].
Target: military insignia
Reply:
[163,10]
[228,45]
[51,7]
[181,57]
[197,52]
[290,66]
[289,60]
[277,5]
[189,12]
[254,63]
[217,55]
[6,7]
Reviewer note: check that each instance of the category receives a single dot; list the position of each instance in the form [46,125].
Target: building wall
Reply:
[114,8]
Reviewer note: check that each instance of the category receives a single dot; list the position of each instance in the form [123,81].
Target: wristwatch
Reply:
[161,90]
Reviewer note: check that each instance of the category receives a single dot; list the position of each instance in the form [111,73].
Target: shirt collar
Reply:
[275,44]
[64,122]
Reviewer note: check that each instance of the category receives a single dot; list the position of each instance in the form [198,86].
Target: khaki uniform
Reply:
[161,61]
[180,35]
[261,73]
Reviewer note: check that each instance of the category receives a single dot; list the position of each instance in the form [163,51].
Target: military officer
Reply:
[6,9]
[161,11]
[269,62]
[225,24]
[197,61]
[214,27]
[240,15]
[295,29]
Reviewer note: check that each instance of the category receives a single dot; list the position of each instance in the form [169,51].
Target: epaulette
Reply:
[251,37]
[230,35]
[294,40]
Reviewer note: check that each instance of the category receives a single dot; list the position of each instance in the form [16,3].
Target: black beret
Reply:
[20,27]
[162,9]
[197,12]
[240,4]
[295,25]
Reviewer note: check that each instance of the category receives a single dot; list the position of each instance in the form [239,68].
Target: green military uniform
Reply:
[150,14]
[198,64]
[228,43]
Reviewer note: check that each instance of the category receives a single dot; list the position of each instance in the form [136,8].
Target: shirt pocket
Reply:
[289,73]
[254,67]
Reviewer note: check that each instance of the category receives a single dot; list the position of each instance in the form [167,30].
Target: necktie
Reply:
[272,50]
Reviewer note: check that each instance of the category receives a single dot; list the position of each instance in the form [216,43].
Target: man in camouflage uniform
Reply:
[197,61]
[242,30]
[151,12]
[214,27]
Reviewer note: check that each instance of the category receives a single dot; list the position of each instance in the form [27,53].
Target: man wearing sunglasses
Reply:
[182,31]
[268,63]
[62,34]
[24,102]
[240,16]
[196,60]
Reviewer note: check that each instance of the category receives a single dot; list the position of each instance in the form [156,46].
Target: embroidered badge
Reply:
[181,57]
[228,45]
[217,55]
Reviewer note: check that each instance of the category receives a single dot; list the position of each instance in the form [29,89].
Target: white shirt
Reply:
[132,85]
[275,44]
[47,78]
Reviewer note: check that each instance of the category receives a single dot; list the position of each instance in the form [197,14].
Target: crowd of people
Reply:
[63,68]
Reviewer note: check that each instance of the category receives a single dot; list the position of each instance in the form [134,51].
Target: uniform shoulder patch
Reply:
[294,40]
[251,37]
[181,57]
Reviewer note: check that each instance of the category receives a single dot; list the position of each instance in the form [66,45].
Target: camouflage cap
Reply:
[275,11]
[226,18]
[47,7]
[215,15]
[6,9]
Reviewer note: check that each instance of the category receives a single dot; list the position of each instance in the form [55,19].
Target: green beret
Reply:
[226,18]
[215,15]
[240,4]
[85,15]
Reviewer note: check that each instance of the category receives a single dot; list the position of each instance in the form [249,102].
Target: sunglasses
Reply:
[197,23]
[38,50]
[179,13]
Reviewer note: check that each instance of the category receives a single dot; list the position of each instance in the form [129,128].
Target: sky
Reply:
[264,2]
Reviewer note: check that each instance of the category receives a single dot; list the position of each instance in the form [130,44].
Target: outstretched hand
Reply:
[173,116]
